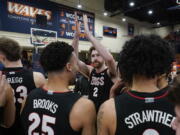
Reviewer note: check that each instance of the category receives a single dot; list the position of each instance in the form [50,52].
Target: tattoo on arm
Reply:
[99,120]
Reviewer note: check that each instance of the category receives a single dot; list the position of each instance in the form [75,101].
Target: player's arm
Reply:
[39,79]
[6,103]
[84,117]
[116,88]
[106,122]
[90,121]
[9,109]
[101,49]
[85,69]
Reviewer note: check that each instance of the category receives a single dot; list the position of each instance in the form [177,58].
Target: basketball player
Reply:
[7,107]
[144,109]
[54,109]
[174,96]
[101,76]
[20,79]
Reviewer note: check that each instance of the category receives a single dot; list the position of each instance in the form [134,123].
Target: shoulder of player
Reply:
[82,114]
[83,106]
[108,107]
[106,118]
[38,74]
[39,79]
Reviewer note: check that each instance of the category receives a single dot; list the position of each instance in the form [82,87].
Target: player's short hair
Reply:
[55,56]
[10,48]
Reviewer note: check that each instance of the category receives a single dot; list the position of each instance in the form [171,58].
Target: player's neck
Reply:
[57,83]
[144,85]
[102,68]
[17,63]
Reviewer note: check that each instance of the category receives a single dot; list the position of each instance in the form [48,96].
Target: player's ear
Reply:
[69,66]
[2,57]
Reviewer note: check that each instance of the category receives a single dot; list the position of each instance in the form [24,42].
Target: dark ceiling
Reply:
[167,12]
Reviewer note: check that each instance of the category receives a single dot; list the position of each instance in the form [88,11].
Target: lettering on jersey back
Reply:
[45,104]
[145,116]
[13,80]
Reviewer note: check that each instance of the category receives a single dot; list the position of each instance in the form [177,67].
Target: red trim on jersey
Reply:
[142,98]
[4,72]
[55,91]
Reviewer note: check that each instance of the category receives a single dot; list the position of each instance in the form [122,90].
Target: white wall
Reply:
[115,44]
[23,39]
[163,31]
[177,27]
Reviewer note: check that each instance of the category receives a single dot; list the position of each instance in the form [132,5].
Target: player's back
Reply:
[22,82]
[144,113]
[48,112]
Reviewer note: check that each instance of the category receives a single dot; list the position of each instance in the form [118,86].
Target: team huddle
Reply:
[130,97]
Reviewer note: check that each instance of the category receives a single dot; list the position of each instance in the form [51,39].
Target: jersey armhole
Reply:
[117,110]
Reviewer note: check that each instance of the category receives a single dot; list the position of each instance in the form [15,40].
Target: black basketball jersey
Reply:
[82,86]
[22,82]
[100,85]
[144,113]
[48,112]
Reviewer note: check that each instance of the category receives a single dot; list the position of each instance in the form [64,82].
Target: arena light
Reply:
[158,23]
[123,19]
[105,13]
[150,12]
[79,6]
[131,4]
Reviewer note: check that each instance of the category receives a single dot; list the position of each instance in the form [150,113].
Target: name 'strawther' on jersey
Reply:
[97,81]
[145,116]
[45,104]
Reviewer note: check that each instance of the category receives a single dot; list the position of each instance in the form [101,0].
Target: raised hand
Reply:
[86,28]
[78,24]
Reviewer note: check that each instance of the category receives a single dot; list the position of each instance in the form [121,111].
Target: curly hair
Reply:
[147,56]
[55,56]
[10,48]
[174,91]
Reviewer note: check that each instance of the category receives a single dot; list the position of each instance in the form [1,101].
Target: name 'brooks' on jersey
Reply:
[48,112]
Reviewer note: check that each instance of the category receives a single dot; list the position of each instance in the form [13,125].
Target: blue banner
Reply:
[109,31]
[20,16]
[130,29]
[67,23]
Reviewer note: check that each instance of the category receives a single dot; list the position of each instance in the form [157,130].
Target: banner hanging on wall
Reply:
[130,29]
[67,23]
[109,31]
[20,16]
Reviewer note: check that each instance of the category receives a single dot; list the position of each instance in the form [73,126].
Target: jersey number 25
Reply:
[45,126]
